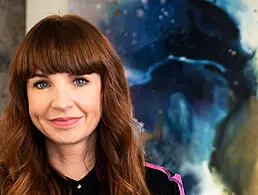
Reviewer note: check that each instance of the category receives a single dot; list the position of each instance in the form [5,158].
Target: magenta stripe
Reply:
[155,167]
[176,178]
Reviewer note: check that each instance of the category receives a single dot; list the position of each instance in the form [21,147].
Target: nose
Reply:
[61,100]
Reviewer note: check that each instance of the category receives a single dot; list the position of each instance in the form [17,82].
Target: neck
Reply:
[73,160]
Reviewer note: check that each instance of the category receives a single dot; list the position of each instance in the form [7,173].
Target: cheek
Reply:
[90,103]
[35,110]
[37,104]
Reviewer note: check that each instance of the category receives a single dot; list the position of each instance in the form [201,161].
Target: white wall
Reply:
[38,9]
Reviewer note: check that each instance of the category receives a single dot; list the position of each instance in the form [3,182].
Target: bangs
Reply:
[58,46]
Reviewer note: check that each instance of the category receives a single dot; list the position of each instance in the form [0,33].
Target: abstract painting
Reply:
[192,70]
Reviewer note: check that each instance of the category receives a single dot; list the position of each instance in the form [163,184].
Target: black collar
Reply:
[90,184]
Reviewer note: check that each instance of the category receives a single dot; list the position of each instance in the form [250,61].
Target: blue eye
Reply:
[41,84]
[80,81]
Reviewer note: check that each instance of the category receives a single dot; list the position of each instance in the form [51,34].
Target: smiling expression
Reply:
[65,108]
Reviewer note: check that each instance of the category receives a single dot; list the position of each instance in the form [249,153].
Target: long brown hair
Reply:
[69,44]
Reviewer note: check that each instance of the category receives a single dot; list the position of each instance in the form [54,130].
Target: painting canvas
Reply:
[12,30]
[191,66]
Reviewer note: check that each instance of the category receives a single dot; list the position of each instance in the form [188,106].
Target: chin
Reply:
[65,140]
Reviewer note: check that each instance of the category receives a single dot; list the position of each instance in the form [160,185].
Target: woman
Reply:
[68,126]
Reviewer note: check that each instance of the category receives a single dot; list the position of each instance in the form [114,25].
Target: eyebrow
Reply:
[46,76]
[40,75]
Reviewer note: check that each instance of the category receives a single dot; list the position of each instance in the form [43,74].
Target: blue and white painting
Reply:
[192,67]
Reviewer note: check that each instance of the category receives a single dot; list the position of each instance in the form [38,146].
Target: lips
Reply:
[65,122]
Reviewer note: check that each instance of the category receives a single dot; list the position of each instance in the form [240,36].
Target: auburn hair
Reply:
[72,45]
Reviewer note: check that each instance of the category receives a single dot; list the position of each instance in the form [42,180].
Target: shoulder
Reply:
[162,181]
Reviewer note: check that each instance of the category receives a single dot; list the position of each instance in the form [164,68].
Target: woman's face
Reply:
[65,108]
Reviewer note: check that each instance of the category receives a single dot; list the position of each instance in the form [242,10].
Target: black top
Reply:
[159,180]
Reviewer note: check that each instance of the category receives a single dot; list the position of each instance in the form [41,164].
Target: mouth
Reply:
[65,122]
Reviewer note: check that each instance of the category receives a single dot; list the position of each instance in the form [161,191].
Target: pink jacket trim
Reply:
[176,178]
